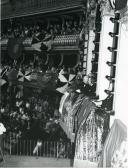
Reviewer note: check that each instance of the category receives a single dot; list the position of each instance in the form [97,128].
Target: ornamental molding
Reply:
[105,8]
[124,22]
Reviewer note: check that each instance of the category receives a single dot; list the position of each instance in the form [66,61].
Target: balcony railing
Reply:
[67,41]
[29,7]
[14,145]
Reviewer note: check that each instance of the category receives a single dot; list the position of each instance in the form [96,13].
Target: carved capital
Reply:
[105,7]
[124,22]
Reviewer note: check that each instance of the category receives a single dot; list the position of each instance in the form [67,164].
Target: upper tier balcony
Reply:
[12,9]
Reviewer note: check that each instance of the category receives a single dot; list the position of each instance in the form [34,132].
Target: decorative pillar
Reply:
[104,53]
[91,17]
[85,53]
[121,78]
[90,49]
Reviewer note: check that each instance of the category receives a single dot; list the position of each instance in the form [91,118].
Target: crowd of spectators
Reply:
[27,110]
[41,31]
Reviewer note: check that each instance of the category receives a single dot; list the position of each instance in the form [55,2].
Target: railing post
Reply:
[57,149]
[10,151]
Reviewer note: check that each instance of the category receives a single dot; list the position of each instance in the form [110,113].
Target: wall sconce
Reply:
[111,49]
[109,92]
[110,78]
[112,34]
[113,20]
[110,63]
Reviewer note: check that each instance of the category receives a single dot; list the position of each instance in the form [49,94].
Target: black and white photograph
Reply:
[64,83]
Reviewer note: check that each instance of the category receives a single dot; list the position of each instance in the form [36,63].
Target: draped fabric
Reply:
[2,82]
[120,157]
[90,133]
[67,103]
[62,101]
[79,114]
[116,136]
[66,79]
[86,107]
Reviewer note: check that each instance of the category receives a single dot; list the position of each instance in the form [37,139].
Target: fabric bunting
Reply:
[2,82]
[66,81]
[37,46]
[22,76]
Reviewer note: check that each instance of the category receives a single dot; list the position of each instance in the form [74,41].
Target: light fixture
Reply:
[109,92]
[113,20]
[110,78]
[112,34]
[111,49]
[110,63]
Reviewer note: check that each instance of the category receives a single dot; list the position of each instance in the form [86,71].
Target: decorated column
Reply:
[90,49]
[104,54]
[92,8]
[121,78]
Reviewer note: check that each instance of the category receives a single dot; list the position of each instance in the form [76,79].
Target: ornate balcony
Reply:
[67,42]
[30,7]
